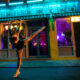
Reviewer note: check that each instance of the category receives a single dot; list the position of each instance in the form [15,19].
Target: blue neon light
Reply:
[40,8]
[1,5]
[17,3]
[34,1]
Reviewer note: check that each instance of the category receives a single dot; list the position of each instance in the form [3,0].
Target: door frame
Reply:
[73,37]
[38,55]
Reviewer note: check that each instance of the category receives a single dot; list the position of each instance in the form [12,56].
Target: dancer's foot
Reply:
[15,75]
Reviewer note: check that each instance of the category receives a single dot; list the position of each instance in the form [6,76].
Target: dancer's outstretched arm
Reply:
[19,27]
[33,34]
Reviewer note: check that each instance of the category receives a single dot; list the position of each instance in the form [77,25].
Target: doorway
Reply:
[39,45]
[76,26]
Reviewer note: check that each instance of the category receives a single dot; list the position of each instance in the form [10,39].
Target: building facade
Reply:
[60,39]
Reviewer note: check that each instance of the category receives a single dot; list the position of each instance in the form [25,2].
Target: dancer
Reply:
[19,44]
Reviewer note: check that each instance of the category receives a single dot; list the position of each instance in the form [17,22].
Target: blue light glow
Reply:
[37,7]
[34,1]
[2,5]
[54,8]
[55,5]
[17,3]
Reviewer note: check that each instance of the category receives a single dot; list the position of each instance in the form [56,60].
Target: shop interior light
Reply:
[15,26]
[17,3]
[35,44]
[6,27]
[11,27]
[1,5]
[72,19]
[34,1]
[62,34]
[75,19]
[57,37]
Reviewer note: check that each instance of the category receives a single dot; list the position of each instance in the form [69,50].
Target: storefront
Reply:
[38,47]
[58,41]
[66,44]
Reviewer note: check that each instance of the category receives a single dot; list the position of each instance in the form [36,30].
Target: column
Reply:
[26,31]
[53,39]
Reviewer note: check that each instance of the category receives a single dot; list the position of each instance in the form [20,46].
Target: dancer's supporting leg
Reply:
[19,62]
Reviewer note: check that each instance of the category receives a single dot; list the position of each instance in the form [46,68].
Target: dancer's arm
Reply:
[33,35]
[19,29]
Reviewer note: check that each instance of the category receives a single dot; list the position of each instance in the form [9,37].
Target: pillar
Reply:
[26,31]
[53,39]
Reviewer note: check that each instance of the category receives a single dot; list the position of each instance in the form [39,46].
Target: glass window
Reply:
[43,43]
[4,38]
[38,46]
[64,36]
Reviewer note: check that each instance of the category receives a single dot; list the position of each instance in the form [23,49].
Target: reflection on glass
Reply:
[33,47]
[43,43]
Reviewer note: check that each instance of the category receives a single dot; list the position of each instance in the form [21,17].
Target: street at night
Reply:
[39,39]
[42,70]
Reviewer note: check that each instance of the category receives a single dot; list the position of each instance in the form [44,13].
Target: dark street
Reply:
[42,70]
[55,73]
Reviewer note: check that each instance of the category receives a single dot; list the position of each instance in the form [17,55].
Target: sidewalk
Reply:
[47,63]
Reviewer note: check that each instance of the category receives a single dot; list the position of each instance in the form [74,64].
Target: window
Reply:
[64,36]
[4,37]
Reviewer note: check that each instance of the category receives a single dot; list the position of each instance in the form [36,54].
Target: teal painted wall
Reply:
[44,9]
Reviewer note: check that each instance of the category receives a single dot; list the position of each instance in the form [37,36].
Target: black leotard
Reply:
[19,45]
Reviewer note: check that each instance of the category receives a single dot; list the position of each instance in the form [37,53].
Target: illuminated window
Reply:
[64,36]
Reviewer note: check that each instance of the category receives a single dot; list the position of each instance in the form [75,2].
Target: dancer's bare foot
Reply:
[17,73]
